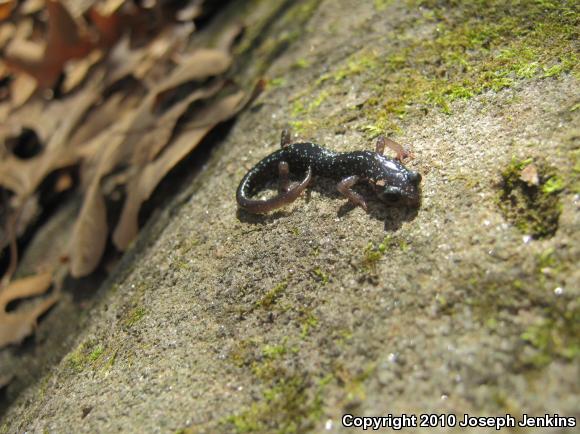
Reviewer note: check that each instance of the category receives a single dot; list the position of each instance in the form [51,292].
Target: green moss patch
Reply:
[291,402]
[272,295]
[372,253]
[557,335]
[471,47]
[533,207]
[134,316]
[320,276]
[91,355]
[499,301]
[285,408]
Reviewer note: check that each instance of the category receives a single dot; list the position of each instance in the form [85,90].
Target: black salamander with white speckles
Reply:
[393,182]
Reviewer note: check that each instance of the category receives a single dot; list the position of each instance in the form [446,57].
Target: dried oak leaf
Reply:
[109,21]
[157,136]
[89,238]
[90,233]
[23,177]
[7,31]
[21,89]
[77,70]
[145,119]
[66,39]
[202,63]
[189,12]
[15,326]
[99,118]
[228,36]
[125,60]
[161,51]
[30,7]
[142,185]
[6,8]
[137,140]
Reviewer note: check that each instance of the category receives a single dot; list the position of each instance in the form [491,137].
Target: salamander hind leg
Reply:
[258,206]
[344,187]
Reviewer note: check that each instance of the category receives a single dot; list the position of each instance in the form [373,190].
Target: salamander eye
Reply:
[392,194]
[414,177]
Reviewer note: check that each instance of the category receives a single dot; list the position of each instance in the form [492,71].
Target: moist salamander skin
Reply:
[391,180]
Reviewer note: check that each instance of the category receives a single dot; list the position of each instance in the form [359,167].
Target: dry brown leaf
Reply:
[4,111]
[189,12]
[105,151]
[145,120]
[138,62]
[141,186]
[24,29]
[15,326]
[77,70]
[6,8]
[21,89]
[66,39]
[109,22]
[6,32]
[31,6]
[24,176]
[226,39]
[530,175]
[18,175]
[113,142]
[152,68]
[19,218]
[109,7]
[35,115]
[202,63]
[90,233]
[156,139]
[99,119]
[122,60]
[27,50]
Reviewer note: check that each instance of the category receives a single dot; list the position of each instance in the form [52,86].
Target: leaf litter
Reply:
[108,91]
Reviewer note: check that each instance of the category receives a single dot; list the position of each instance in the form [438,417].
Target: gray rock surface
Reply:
[220,321]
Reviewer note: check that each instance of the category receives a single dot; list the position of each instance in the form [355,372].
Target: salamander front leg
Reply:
[380,145]
[284,177]
[345,186]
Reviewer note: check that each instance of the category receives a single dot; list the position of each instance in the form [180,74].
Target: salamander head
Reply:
[398,185]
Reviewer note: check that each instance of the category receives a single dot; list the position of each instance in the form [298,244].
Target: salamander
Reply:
[393,183]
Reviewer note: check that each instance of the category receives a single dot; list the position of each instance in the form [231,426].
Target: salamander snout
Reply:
[402,190]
